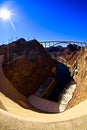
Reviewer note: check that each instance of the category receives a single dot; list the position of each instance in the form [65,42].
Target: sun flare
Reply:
[5,14]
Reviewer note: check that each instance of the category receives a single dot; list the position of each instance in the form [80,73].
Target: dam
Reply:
[16,112]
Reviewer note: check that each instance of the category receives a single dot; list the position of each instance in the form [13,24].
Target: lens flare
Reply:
[6,15]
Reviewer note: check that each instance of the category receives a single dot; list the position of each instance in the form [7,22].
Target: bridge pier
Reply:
[49,44]
[45,44]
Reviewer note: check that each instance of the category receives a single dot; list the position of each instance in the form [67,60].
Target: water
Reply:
[63,78]
[67,96]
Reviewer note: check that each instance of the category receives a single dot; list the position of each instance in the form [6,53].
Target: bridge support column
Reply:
[49,44]
[45,44]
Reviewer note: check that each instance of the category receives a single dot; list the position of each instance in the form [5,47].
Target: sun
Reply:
[5,14]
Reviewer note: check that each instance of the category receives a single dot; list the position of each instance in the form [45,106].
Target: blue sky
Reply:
[45,20]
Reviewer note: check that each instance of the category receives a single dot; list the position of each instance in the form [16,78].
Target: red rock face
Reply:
[70,53]
[70,57]
[27,76]
[31,70]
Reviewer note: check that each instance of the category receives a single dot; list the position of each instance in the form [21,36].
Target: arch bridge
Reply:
[64,43]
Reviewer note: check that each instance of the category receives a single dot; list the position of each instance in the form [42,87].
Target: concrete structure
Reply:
[21,119]
[15,117]
[56,43]
[43,104]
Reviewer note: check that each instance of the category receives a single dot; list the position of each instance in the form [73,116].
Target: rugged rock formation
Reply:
[76,58]
[70,53]
[30,49]
[28,65]
[81,80]
[65,54]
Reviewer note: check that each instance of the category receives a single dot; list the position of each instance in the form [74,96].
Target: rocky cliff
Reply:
[76,58]
[81,80]
[27,65]
[70,53]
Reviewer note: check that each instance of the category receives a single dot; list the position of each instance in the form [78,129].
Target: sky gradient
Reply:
[45,20]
